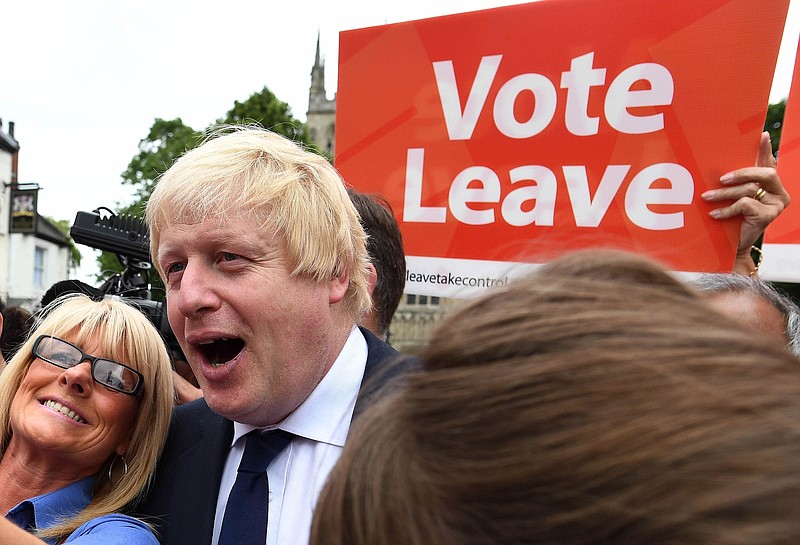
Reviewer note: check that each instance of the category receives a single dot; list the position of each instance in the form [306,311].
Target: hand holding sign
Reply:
[757,208]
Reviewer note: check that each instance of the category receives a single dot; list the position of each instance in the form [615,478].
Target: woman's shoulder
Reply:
[113,529]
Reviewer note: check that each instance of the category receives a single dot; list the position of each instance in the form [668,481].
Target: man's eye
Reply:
[228,256]
[176,267]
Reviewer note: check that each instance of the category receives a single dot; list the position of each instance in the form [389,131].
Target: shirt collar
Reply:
[325,415]
[55,506]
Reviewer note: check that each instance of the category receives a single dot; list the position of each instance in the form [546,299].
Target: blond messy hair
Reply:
[292,193]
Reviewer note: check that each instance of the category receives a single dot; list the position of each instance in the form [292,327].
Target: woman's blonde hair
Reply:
[598,401]
[291,192]
[123,334]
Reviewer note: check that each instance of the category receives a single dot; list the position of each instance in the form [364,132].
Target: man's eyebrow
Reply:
[165,251]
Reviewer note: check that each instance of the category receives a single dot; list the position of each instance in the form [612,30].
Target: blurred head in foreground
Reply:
[598,401]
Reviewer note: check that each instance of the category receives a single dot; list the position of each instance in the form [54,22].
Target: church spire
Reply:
[321,114]
[316,59]
[317,76]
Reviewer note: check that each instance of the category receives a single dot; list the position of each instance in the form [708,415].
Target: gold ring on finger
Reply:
[759,194]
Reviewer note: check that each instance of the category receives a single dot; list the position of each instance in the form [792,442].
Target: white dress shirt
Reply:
[298,473]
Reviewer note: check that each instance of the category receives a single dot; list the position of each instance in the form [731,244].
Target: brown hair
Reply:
[16,324]
[385,249]
[597,401]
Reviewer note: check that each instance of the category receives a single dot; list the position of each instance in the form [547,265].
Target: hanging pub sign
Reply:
[23,210]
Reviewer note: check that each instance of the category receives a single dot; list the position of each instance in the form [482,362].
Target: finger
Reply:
[755,212]
[731,193]
[762,176]
[765,157]
[758,175]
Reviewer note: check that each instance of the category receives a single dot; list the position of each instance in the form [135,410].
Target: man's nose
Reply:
[196,291]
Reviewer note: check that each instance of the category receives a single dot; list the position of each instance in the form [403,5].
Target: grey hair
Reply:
[738,283]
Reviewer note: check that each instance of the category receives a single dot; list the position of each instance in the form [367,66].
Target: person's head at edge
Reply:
[387,260]
[117,331]
[757,304]
[265,266]
[597,401]
[17,322]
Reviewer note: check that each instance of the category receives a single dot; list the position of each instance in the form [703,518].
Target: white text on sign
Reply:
[481,184]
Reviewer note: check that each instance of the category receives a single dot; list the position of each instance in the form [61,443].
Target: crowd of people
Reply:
[599,400]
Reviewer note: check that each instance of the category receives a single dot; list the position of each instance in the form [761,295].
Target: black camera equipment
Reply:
[127,237]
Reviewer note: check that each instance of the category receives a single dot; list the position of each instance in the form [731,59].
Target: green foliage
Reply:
[263,108]
[74,254]
[774,123]
[166,141]
[107,263]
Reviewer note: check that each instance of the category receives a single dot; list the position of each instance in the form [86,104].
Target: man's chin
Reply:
[225,401]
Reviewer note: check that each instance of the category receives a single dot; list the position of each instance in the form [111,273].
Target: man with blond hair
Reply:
[266,274]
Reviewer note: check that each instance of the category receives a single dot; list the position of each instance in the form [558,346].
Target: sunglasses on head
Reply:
[111,374]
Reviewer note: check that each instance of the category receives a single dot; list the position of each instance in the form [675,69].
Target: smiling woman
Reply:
[84,408]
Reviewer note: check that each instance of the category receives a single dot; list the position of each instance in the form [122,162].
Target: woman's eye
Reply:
[62,357]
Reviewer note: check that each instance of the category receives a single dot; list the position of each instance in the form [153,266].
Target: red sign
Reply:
[782,239]
[515,134]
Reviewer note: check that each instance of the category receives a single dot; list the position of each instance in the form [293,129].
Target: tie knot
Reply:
[261,448]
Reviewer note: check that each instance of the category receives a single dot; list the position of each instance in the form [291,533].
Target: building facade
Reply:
[9,149]
[30,262]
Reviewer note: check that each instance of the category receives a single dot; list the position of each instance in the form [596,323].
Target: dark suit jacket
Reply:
[182,502]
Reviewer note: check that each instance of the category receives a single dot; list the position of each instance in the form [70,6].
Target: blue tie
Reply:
[245,520]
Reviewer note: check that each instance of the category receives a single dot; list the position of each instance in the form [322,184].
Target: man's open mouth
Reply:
[221,351]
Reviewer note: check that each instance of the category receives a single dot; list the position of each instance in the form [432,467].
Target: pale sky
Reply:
[83,81]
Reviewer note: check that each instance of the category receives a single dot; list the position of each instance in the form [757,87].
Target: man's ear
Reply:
[337,288]
[372,278]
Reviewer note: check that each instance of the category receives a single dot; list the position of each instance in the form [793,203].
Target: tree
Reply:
[167,140]
[264,108]
[774,123]
[74,260]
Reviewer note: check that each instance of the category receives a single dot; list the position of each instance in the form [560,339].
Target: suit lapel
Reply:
[379,370]
[198,472]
